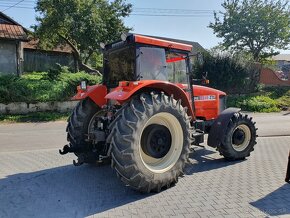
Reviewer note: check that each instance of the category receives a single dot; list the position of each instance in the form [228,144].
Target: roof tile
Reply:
[15,32]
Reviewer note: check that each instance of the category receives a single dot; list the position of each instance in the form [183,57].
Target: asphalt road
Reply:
[36,136]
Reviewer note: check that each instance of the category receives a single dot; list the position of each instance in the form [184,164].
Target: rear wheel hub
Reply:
[238,137]
[241,137]
[156,140]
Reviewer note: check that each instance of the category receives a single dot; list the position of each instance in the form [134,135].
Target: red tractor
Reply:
[146,115]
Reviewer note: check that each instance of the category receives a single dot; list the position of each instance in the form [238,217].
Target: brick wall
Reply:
[268,77]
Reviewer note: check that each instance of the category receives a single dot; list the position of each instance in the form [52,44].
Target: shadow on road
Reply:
[203,162]
[276,203]
[66,191]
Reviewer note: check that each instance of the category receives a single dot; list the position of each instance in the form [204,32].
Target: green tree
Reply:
[256,26]
[82,24]
[232,74]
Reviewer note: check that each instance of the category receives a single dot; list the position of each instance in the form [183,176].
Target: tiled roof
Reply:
[14,32]
[34,44]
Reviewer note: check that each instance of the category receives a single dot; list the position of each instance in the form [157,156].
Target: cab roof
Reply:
[161,43]
[148,40]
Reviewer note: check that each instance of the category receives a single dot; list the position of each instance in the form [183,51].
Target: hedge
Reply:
[42,86]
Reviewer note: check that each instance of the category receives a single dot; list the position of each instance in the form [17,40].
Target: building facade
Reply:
[12,36]
[20,53]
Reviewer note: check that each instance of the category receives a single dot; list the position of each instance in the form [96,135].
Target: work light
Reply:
[83,85]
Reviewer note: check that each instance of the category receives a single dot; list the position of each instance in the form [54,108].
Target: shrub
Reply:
[231,74]
[260,102]
[38,86]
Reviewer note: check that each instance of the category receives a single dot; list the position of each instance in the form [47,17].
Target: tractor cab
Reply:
[146,60]
[140,58]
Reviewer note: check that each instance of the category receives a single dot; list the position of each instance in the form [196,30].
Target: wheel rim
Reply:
[161,154]
[241,137]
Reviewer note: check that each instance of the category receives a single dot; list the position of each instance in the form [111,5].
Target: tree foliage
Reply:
[234,75]
[82,24]
[257,26]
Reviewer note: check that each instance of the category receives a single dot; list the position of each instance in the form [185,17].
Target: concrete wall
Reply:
[8,57]
[24,108]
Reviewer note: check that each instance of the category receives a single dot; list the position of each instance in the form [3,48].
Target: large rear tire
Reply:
[239,139]
[150,142]
[78,129]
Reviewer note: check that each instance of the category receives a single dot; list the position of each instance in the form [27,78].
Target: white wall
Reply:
[8,57]
[24,108]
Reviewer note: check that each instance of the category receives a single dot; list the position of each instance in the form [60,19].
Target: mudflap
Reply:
[219,127]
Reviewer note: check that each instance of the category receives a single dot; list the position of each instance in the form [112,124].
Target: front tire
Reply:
[239,139]
[150,142]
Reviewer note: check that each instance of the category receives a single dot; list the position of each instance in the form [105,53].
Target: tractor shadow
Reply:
[69,191]
[203,159]
[65,191]
[277,203]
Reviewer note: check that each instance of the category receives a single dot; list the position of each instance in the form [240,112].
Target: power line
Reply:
[175,9]
[20,7]
[12,6]
[170,15]
[148,12]
[23,3]
[16,1]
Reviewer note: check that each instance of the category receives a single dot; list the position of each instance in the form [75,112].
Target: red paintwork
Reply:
[205,108]
[174,59]
[127,89]
[97,93]
[162,43]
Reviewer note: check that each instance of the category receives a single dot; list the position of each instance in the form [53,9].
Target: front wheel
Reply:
[150,142]
[239,139]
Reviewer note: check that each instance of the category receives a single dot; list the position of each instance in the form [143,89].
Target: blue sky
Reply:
[192,28]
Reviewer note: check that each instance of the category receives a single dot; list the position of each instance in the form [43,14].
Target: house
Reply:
[283,63]
[20,53]
[12,36]
[41,60]
[282,59]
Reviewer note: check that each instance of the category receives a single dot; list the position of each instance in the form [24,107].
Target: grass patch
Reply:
[43,86]
[34,117]
[272,99]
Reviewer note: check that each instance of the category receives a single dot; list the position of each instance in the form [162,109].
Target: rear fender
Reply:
[219,127]
[126,90]
[96,93]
